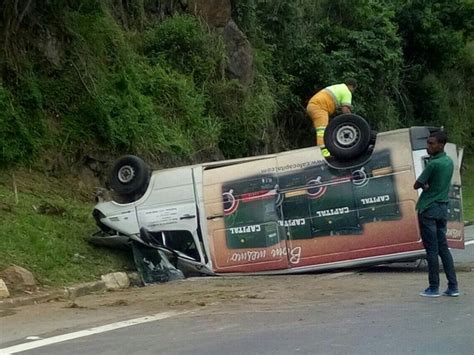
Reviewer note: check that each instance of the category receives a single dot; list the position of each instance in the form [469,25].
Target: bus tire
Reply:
[129,177]
[347,136]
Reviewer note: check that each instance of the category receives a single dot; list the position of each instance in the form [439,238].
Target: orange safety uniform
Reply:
[324,104]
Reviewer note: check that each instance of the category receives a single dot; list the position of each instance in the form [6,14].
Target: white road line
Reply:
[84,333]
[469,242]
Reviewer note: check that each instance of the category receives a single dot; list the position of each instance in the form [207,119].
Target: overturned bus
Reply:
[288,212]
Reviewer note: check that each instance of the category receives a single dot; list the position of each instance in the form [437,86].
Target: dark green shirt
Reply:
[437,175]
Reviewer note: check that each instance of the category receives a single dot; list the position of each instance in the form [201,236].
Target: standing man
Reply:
[325,103]
[432,208]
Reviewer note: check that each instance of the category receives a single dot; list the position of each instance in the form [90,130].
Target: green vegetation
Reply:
[113,77]
[468,188]
[108,87]
[413,59]
[43,227]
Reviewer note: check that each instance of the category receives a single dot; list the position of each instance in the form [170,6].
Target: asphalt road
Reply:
[416,326]
[370,311]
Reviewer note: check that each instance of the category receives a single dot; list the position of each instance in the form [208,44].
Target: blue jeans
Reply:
[433,233]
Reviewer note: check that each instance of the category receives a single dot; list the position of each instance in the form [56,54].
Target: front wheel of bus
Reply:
[129,178]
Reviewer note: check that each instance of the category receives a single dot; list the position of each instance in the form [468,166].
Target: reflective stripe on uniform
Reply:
[320,131]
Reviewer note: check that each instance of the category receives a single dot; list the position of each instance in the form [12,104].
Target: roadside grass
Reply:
[468,188]
[42,228]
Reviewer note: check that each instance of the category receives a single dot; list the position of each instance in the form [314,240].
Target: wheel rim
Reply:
[126,174]
[347,135]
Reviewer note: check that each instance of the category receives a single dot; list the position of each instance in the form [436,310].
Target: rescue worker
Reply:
[325,103]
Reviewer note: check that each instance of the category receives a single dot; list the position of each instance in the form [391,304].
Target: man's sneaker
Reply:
[429,292]
[451,292]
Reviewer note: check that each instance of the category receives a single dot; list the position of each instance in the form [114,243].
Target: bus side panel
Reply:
[293,210]
[362,211]
[243,229]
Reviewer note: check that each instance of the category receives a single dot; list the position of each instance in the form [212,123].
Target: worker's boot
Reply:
[320,141]
[325,152]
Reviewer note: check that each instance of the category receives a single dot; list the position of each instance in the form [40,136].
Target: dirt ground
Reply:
[203,295]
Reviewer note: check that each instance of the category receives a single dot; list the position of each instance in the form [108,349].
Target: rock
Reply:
[116,280]
[4,293]
[239,52]
[6,207]
[48,208]
[19,279]
[51,47]
[83,289]
[164,8]
[215,12]
[101,195]
[135,279]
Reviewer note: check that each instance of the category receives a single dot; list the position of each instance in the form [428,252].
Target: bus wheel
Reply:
[129,177]
[347,136]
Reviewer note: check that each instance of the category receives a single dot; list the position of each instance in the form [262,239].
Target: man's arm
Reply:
[422,181]
[419,185]
[346,101]
[346,109]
